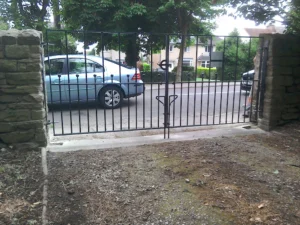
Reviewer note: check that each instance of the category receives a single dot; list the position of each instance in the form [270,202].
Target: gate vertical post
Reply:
[166,100]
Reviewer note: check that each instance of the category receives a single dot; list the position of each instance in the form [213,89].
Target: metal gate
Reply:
[92,89]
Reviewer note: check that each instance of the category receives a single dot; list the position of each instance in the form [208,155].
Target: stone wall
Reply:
[282,81]
[22,107]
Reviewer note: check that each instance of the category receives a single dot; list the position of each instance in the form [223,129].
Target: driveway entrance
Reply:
[207,92]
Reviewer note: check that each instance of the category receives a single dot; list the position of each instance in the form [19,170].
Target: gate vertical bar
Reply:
[166,106]
[69,87]
[50,80]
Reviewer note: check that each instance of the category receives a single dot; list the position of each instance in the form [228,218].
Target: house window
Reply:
[187,49]
[187,62]
[208,48]
[171,48]
[205,64]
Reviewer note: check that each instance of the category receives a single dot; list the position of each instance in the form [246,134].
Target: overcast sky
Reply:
[226,24]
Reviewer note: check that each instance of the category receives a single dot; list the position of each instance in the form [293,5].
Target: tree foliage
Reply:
[25,13]
[265,11]
[140,17]
[238,55]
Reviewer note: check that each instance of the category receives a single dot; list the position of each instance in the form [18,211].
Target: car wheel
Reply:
[111,97]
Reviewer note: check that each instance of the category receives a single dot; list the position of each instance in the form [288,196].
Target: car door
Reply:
[55,80]
[84,76]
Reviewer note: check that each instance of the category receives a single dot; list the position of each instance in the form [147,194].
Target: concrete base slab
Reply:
[92,142]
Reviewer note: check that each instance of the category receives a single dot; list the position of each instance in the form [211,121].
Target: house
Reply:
[194,55]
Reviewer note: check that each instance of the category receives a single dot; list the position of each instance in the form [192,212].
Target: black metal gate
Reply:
[105,90]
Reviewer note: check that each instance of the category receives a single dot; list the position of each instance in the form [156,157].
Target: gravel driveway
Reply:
[253,179]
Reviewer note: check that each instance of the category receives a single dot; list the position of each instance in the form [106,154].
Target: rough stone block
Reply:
[6,127]
[22,105]
[293,110]
[38,115]
[35,49]
[291,89]
[34,98]
[41,137]
[21,89]
[8,66]
[17,52]
[10,98]
[35,56]
[21,67]
[27,78]
[293,98]
[288,46]
[275,70]
[9,37]
[17,137]
[27,146]
[27,125]
[287,80]
[285,61]
[296,70]
[290,116]
[29,37]
[34,67]
[15,115]
[2,82]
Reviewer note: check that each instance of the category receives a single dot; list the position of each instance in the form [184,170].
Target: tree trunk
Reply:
[56,14]
[181,53]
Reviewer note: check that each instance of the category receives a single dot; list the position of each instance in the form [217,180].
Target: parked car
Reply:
[74,78]
[247,80]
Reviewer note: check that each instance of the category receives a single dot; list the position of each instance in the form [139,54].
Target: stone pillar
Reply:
[282,89]
[22,105]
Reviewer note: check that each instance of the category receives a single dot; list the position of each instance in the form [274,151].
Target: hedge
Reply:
[146,67]
[160,76]
[184,69]
[205,71]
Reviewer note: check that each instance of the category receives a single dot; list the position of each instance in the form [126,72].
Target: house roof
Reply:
[255,32]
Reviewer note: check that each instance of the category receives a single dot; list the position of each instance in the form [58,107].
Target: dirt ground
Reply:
[238,180]
[21,185]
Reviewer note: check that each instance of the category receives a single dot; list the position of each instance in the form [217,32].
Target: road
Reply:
[195,105]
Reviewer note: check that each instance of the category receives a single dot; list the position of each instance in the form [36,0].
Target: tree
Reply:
[264,11]
[25,13]
[3,25]
[157,16]
[293,18]
[191,16]
[238,55]
[119,16]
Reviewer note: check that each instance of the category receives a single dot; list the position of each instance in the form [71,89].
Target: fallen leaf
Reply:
[261,206]
[276,172]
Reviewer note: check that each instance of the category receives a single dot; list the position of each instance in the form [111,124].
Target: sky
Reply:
[226,24]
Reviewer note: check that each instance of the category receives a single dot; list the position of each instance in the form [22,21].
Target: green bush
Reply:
[205,71]
[184,69]
[146,67]
[149,77]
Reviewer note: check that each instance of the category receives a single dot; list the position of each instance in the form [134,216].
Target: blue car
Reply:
[76,78]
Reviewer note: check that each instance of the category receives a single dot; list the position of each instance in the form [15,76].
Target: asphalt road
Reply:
[195,105]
